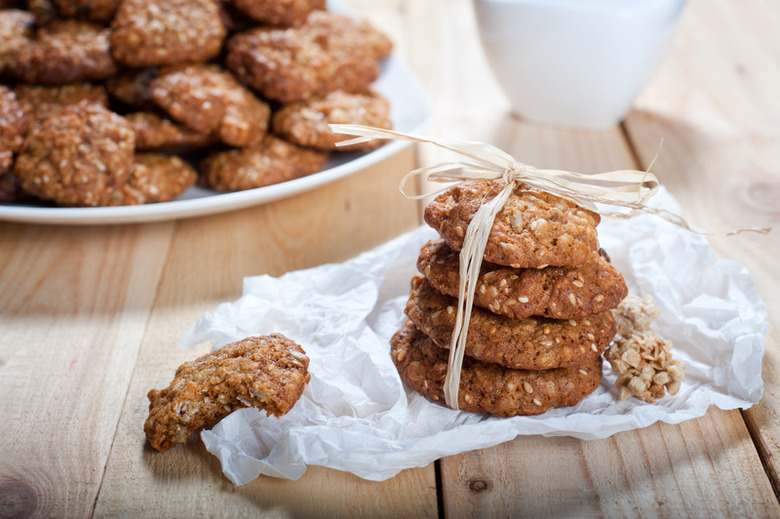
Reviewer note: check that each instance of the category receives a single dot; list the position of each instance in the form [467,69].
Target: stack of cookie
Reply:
[542,301]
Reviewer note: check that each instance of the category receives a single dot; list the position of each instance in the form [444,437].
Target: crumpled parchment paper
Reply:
[356,415]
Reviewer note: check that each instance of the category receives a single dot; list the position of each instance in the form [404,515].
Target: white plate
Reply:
[409,111]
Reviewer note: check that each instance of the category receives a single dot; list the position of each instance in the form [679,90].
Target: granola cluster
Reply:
[641,358]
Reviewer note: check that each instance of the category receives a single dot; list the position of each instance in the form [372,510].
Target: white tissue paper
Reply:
[356,415]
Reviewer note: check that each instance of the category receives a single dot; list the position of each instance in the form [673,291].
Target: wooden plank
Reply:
[74,303]
[218,252]
[721,131]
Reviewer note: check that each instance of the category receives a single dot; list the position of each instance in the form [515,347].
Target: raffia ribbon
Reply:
[625,191]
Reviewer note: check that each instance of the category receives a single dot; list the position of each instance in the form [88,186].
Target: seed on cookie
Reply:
[156,133]
[329,52]
[157,178]
[165,33]
[534,229]
[306,123]
[16,32]
[487,387]
[13,125]
[272,161]
[65,51]
[591,287]
[283,13]
[78,155]
[39,100]
[268,372]
[514,343]
[208,99]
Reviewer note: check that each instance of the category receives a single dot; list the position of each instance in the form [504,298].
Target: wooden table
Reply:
[90,317]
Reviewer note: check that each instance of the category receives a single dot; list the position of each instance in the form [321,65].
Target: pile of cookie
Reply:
[542,304]
[116,102]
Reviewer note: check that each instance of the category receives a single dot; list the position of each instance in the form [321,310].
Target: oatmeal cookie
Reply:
[557,292]
[208,99]
[306,123]
[99,11]
[39,100]
[531,343]
[79,155]
[156,133]
[165,33]
[16,32]
[271,162]
[13,125]
[268,372]
[157,178]
[534,229]
[329,52]
[284,13]
[487,387]
[131,87]
[65,51]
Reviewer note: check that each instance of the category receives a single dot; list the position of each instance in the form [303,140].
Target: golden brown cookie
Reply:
[16,32]
[487,387]
[78,155]
[306,123]
[534,229]
[279,12]
[157,178]
[271,162]
[148,33]
[531,343]
[268,372]
[155,133]
[329,52]
[65,51]
[591,287]
[39,100]
[13,125]
[208,99]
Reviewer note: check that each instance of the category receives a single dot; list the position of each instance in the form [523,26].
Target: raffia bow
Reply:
[615,194]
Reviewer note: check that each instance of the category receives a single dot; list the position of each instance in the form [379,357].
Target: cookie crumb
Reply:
[641,358]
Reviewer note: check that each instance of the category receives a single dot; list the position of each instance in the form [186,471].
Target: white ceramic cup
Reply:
[575,63]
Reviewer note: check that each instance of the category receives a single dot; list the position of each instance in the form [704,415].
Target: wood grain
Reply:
[74,303]
[331,224]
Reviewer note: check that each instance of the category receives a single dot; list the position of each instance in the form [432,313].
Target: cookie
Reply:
[39,100]
[208,99]
[16,32]
[487,387]
[329,52]
[531,343]
[131,87]
[13,125]
[278,12]
[99,11]
[272,161]
[78,155]
[165,33]
[156,133]
[534,229]
[306,123]
[10,188]
[591,287]
[157,178]
[65,51]
[268,372]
